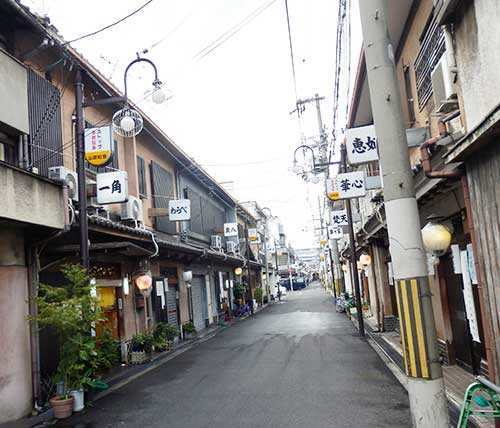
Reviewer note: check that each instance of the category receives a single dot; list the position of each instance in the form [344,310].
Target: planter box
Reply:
[138,357]
[189,335]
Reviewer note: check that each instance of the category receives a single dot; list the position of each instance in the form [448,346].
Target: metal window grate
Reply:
[431,50]
[141,176]
[163,190]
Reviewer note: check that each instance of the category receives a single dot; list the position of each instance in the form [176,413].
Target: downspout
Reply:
[458,174]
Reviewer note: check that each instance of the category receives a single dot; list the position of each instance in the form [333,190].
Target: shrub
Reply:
[258,295]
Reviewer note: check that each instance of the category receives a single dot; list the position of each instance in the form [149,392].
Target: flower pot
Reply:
[78,402]
[138,357]
[63,408]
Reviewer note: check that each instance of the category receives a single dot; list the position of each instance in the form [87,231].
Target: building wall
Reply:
[15,358]
[477,38]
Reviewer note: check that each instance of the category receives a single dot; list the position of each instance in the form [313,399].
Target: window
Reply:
[8,149]
[141,177]
[162,190]
[409,95]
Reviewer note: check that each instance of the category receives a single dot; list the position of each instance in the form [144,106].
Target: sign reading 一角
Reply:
[339,218]
[112,187]
[98,145]
[335,232]
[230,229]
[179,209]
[361,144]
[346,186]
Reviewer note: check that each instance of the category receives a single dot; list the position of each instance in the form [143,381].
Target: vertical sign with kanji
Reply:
[361,144]
[112,187]
[346,186]
[98,145]
[339,218]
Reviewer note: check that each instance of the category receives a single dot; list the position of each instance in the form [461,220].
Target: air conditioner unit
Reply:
[60,173]
[132,210]
[232,247]
[445,97]
[216,242]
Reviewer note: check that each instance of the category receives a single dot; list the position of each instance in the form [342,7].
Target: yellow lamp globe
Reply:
[436,238]
[238,271]
[365,259]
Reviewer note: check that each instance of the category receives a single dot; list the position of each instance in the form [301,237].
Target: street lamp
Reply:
[238,271]
[365,259]
[126,122]
[436,236]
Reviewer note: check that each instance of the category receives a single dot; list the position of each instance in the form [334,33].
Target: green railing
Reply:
[485,395]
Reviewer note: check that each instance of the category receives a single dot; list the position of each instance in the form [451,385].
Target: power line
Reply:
[291,54]
[232,31]
[110,25]
[172,31]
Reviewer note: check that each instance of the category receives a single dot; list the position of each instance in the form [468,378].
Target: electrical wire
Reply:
[291,54]
[110,25]
[179,25]
[232,31]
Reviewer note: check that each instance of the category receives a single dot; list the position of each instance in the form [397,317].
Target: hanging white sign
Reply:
[230,229]
[339,218]
[470,308]
[361,145]
[346,186]
[179,209]
[335,232]
[253,235]
[98,145]
[112,187]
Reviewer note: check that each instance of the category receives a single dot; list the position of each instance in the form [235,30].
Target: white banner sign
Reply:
[98,145]
[339,218]
[230,229]
[179,209]
[346,186]
[112,187]
[335,232]
[470,308]
[361,144]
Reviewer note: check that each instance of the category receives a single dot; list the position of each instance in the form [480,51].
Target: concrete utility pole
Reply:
[268,287]
[426,391]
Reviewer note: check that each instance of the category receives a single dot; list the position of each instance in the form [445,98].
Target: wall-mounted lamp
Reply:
[238,271]
[436,236]
[144,283]
[187,277]
[365,259]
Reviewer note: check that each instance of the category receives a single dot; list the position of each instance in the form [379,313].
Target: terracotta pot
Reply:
[63,408]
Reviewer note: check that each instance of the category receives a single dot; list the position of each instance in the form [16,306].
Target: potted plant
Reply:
[366,309]
[258,295]
[189,330]
[165,335]
[142,347]
[72,313]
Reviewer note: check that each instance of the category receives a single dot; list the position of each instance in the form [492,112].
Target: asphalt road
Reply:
[295,364]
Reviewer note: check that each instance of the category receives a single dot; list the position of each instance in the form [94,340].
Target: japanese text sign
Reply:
[98,145]
[335,232]
[339,218]
[361,144]
[179,209]
[230,229]
[253,235]
[112,187]
[346,186]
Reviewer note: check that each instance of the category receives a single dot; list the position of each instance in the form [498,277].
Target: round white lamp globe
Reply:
[127,123]
[158,96]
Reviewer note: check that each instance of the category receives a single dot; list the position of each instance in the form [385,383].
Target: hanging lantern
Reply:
[238,271]
[144,283]
[365,259]
[436,237]
[187,276]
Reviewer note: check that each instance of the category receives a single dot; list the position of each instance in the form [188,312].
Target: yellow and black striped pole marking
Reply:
[413,340]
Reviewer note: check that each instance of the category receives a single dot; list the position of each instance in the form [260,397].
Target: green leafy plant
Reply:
[164,333]
[238,290]
[189,328]
[258,294]
[143,342]
[71,311]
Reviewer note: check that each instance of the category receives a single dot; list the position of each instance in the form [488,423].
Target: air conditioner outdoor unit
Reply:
[60,173]
[232,247]
[132,210]
[445,97]
[216,242]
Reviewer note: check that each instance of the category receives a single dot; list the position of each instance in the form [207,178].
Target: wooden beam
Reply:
[157,212]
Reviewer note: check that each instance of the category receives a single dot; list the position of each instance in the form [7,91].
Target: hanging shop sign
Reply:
[339,218]
[335,232]
[346,186]
[179,209]
[112,187]
[99,145]
[230,229]
[253,235]
[361,144]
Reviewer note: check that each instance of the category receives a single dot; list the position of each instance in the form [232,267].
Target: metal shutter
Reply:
[172,306]
[44,104]
[198,301]
[163,190]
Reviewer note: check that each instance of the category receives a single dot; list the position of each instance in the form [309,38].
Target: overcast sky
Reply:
[230,109]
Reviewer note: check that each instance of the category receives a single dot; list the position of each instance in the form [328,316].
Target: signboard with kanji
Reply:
[112,187]
[339,218]
[99,145]
[253,235]
[335,232]
[230,229]
[346,186]
[361,144]
[179,209]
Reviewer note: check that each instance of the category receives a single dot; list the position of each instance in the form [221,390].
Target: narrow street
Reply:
[295,364]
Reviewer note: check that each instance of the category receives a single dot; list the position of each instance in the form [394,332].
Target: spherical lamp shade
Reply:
[295,168]
[127,122]
[238,271]
[144,283]
[365,259]
[344,268]
[158,96]
[187,276]
[314,179]
[360,266]
[436,238]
